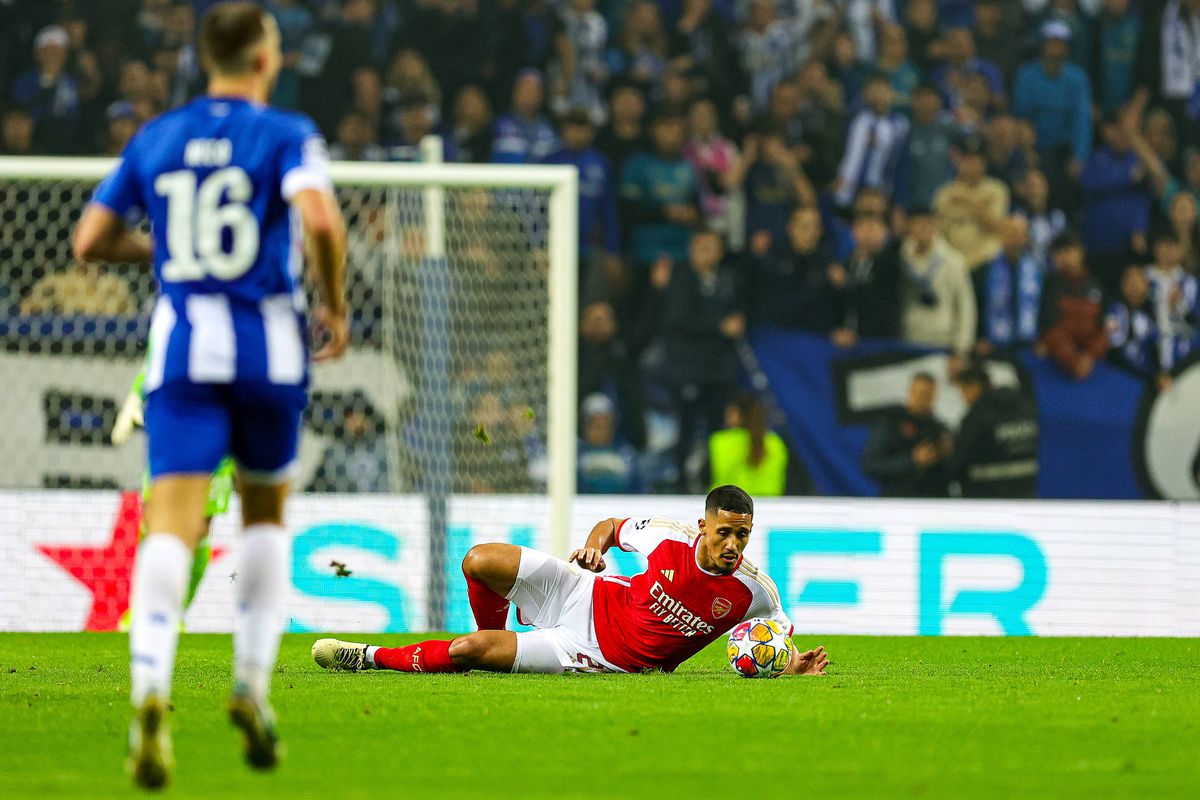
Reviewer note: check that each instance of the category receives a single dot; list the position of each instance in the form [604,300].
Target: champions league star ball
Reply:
[759,648]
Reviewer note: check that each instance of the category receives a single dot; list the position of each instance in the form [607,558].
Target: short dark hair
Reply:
[1065,241]
[228,33]
[1164,234]
[729,498]
[974,375]
[924,376]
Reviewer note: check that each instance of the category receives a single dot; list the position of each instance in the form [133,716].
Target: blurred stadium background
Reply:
[901,188]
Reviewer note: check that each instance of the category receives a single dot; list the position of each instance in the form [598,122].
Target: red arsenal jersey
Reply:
[673,610]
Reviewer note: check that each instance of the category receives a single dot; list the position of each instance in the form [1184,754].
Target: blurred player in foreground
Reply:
[696,587]
[226,183]
[220,488]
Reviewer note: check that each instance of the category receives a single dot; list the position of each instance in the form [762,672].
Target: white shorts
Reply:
[555,598]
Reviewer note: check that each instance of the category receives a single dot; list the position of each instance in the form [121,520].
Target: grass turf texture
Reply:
[931,717]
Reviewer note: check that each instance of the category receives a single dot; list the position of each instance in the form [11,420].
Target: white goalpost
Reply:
[463,284]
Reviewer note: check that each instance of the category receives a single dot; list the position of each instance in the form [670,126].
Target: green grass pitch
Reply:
[896,717]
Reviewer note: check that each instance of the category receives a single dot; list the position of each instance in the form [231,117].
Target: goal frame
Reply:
[562,183]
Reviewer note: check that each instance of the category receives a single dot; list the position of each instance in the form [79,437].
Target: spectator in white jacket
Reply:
[936,295]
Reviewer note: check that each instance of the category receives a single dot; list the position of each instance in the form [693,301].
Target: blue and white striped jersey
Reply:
[215,178]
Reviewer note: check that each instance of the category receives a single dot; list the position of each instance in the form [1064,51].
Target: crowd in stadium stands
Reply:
[974,175]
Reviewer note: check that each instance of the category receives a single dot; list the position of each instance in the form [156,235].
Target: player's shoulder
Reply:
[756,580]
[664,527]
[289,120]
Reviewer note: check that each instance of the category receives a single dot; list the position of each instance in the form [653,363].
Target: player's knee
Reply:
[479,563]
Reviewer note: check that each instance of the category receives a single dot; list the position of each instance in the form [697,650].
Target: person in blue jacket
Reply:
[599,226]
[524,135]
[1056,96]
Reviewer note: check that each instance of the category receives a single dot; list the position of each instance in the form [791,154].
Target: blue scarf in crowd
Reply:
[1002,328]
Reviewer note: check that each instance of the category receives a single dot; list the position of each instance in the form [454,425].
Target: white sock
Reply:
[371,656]
[261,585]
[160,576]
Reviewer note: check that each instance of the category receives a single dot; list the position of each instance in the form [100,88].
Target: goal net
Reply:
[450,421]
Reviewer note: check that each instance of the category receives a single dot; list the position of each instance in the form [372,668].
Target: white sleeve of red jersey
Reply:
[766,602]
[643,535]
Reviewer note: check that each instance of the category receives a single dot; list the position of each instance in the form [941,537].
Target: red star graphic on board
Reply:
[107,571]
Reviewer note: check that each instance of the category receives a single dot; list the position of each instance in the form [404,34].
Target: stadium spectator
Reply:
[524,135]
[970,209]
[846,68]
[356,460]
[874,145]
[769,48]
[16,133]
[822,118]
[356,140]
[1132,334]
[747,453]
[926,165]
[471,131]
[996,447]
[961,63]
[123,123]
[624,134]
[605,467]
[295,23]
[641,52]
[996,41]
[1007,160]
[870,307]
[1116,204]
[1055,96]
[1070,315]
[782,115]
[774,183]
[1114,44]
[599,226]
[1168,57]
[1175,299]
[702,43]
[864,19]
[893,62]
[414,122]
[608,365]
[924,38]
[659,195]
[409,74]
[795,283]
[1009,292]
[1183,218]
[1045,223]
[701,321]
[50,94]
[579,72]
[936,298]
[719,168]
[909,446]
[488,456]
[84,289]
[333,54]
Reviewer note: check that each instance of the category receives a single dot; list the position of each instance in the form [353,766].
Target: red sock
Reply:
[489,608]
[428,656]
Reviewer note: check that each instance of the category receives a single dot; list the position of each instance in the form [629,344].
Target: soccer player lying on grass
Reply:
[696,587]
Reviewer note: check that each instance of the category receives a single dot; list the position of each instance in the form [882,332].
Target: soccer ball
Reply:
[759,648]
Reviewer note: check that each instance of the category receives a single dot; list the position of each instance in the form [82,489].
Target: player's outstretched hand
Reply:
[810,662]
[334,329]
[588,558]
[129,418]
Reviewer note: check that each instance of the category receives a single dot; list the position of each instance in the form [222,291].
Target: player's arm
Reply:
[599,542]
[101,235]
[325,242]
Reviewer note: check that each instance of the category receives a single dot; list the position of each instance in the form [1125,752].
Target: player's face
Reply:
[723,537]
